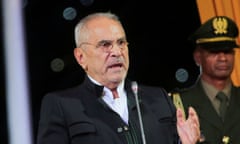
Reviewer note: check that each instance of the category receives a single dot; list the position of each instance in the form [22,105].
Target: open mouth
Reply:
[119,65]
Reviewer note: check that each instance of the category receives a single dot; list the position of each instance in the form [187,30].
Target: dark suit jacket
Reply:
[213,129]
[79,116]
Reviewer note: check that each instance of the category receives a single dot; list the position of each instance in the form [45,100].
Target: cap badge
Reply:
[220,25]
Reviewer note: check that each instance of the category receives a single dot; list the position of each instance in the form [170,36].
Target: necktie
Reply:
[115,94]
[223,104]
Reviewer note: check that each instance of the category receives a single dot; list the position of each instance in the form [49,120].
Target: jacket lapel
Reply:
[233,113]
[205,108]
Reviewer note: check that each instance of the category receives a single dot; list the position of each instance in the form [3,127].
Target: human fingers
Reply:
[193,116]
[180,116]
[194,120]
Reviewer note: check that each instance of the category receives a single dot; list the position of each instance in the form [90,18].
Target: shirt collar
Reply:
[211,91]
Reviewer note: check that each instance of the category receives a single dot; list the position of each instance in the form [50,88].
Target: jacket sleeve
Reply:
[52,128]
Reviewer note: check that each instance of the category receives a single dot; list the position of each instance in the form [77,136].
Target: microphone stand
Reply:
[135,91]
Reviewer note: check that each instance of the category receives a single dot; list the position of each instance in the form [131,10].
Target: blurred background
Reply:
[160,53]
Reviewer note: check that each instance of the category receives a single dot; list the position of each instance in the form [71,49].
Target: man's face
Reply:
[215,65]
[105,53]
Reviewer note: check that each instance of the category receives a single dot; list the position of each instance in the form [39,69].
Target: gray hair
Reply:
[79,32]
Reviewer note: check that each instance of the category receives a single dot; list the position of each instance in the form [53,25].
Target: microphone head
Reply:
[134,87]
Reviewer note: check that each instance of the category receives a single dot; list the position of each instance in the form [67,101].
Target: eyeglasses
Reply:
[107,45]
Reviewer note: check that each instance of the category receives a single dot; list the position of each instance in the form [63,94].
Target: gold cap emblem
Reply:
[220,25]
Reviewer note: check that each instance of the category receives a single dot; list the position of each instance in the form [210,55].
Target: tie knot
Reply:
[115,93]
[222,97]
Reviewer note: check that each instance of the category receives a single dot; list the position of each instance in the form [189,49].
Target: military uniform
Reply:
[218,34]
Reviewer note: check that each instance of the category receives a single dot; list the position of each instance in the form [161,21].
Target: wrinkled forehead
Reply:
[105,28]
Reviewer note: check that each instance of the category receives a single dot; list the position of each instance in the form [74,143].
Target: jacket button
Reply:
[119,130]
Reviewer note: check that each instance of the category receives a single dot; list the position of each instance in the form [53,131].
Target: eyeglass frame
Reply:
[107,45]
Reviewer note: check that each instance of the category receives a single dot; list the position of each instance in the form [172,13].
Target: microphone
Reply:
[135,91]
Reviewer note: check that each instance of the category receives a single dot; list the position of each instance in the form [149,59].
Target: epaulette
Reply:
[177,101]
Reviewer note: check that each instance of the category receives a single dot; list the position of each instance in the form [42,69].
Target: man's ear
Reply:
[80,57]
[197,57]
